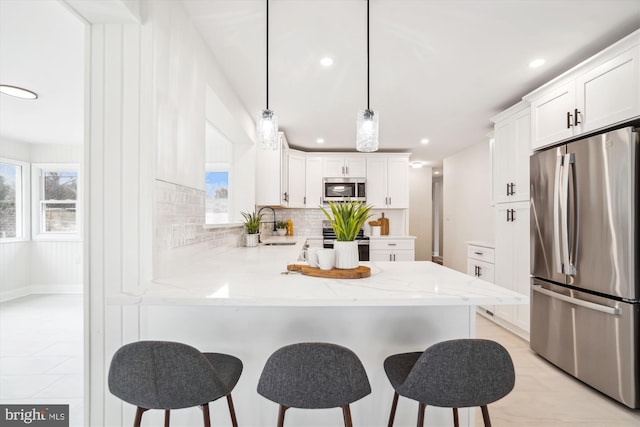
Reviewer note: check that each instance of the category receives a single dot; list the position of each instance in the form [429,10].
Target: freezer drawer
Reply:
[592,338]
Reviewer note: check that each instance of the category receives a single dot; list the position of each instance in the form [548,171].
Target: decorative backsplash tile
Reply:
[180,234]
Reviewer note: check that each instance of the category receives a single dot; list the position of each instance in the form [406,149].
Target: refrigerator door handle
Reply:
[586,304]
[569,268]
[556,215]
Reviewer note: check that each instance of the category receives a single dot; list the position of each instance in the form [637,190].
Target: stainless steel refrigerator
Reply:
[585,296]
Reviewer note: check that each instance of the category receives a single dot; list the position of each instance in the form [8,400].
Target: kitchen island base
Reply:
[253,333]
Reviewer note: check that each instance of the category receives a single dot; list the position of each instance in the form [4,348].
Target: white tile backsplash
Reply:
[180,234]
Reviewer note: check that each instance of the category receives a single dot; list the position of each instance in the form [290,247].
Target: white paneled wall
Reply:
[14,270]
[56,266]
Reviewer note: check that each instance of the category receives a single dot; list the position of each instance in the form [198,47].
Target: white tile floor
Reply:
[41,362]
[41,345]
[546,396]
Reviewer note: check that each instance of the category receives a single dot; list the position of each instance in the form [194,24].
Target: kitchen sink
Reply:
[280,243]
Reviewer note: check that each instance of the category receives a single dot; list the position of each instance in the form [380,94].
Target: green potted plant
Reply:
[281,228]
[347,218]
[252,225]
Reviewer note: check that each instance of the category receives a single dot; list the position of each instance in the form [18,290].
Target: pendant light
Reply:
[267,120]
[367,123]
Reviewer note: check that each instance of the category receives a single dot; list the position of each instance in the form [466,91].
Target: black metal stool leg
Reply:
[281,415]
[138,420]
[394,405]
[232,412]
[205,415]
[167,417]
[421,408]
[485,416]
[346,414]
[456,422]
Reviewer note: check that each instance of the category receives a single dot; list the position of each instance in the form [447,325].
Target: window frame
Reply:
[22,201]
[37,219]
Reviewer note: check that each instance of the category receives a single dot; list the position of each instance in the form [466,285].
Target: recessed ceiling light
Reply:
[416,164]
[18,92]
[536,63]
[436,173]
[320,141]
[424,141]
[326,61]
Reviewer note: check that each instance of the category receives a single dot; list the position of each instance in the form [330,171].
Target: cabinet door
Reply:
[503,151]
[297,181]
[404,255]
[355,167]
[313,182]
[549,119]
[333,167]
[512,259]
[398,183]
[610,93]
[268,177]
[284,173]
[379,255]
[377,182]
[519,170]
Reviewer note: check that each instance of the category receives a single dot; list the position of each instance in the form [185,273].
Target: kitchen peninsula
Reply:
[240,303]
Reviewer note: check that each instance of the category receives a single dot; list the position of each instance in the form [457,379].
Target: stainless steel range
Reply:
[329,236]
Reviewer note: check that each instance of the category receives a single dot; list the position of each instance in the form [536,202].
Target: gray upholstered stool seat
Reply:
[314,376]
[170,375]
[452,374]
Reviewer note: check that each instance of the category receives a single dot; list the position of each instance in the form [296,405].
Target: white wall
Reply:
[420,211]
[468,214]
[147,94]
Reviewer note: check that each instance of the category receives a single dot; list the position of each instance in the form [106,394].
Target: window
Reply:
[11,199]
[218,197]
[56,208]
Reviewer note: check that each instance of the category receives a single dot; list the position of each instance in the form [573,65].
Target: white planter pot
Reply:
[346,254]
[250,240]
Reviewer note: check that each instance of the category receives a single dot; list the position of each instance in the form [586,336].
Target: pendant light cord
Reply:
[268,54]
[368,55]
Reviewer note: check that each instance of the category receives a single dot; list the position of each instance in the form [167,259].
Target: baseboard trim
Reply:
[504,324]
[40,290]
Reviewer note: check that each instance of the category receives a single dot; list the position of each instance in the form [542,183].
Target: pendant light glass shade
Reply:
[267,130]
[367,123]
[367,131]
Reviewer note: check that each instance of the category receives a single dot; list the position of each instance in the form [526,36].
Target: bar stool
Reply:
[452,374]
[170,375]
[314,376]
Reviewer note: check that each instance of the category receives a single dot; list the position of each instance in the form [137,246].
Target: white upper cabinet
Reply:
[339,166]
[296,180]
[271,175]
[511,149]
[313,182]
[601,92]
[388,181]
[610,93]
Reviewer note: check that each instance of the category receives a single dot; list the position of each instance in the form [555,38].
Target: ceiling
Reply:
[439,69]
[42,49]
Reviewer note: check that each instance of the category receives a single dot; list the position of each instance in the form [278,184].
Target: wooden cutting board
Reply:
[336,273]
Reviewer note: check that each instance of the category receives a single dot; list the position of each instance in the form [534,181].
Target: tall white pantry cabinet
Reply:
[511,150]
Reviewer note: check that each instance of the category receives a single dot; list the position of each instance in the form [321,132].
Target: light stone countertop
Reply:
[253,277]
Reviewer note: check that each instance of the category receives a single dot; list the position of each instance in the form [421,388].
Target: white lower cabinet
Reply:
[512,259]
[480,263]
[392,249]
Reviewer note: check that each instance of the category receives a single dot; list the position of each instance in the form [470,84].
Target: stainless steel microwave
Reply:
[341,189]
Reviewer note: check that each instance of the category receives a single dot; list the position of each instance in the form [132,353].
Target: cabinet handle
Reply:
[569,117]
[390,257]
[391,244]
[513,215]
[479,271]
[389,201]
[513,188]
[576,120]
[304,200]
[508,215]
[479,253]
[394,257]
[508,186]
[347,169]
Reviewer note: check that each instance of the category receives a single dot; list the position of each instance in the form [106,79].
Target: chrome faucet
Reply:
[274,215]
